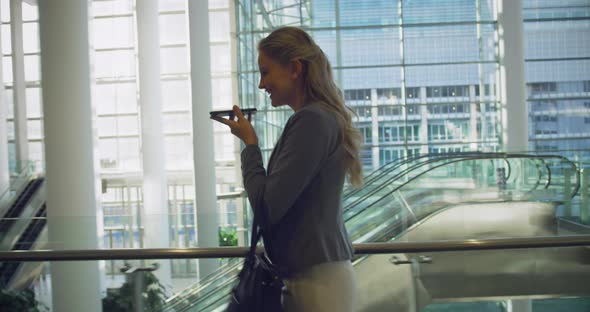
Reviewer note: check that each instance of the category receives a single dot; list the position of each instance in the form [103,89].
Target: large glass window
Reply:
[557,59]
[410,70]
[31,86]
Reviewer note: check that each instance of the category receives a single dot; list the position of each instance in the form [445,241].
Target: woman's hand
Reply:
[242,128]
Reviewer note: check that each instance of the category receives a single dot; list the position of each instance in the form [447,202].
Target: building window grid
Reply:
[407,105]
[31,58]
[555,90]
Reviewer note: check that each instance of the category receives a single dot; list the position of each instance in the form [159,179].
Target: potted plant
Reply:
[18,301]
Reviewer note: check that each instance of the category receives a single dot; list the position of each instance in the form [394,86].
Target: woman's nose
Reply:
[260,84]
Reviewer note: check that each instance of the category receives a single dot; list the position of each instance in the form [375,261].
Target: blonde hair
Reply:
[288,44]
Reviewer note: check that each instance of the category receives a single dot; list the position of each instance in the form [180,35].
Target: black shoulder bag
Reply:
[259,287]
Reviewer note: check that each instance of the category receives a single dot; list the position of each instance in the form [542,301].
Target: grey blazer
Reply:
[300,193]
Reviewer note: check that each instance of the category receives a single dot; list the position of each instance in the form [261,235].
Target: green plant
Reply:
[121,299]
[228,236]
[18,301]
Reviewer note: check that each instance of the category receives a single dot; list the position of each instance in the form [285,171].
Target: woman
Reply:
[300,192]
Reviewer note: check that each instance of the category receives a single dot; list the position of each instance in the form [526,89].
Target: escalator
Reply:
[402,196]
[14,210]
[21,228]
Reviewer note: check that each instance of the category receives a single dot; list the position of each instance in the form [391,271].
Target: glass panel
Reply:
[324,13]
[128,125]
[108,153]
[8,98]
[367,47]
[368,78]
[114,64]
[115,32]
[5,10]
[129,153]
[32,68]
[176,95]
[439,75]
[173,29]
[420,198]
[34,107]
[218,4]
[359,13]
[115,98]
[280,13]
[179,151]
[177,123]
[107,126]
[430,11]
[172,5]
[425,284]
[174,60]
[13,167]
[440,44]
[410,290]
[219,26]
[112,7]
[6,39]
[34,129]
[7,69]
[220,59]
[326,39]
[11,130]
[36,154]
[557,73]
[224,146]
[543,44]
[222,88]
[31,37]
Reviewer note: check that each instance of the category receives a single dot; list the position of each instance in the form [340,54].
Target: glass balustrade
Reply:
[18,182]
[518,279]
[422,198]
[545,279]
[436,185]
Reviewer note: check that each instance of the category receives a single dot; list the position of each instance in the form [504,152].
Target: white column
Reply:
[70,168]
[155,201]
[520,305]
[241,205]
[512,75]
[585,204]
[423,122]
[203,150]
[18,73]
[473,118]
[4,170]
[375,128]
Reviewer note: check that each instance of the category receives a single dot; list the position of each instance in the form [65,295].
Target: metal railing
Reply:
[237,252]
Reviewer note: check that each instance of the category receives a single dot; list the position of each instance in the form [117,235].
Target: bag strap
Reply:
[255,236]
[257,225]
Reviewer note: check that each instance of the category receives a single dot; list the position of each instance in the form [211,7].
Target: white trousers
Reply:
[324,287]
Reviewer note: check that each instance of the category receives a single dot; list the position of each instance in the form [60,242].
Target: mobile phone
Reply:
[230,113]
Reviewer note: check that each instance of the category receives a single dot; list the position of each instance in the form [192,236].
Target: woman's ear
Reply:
[296,69]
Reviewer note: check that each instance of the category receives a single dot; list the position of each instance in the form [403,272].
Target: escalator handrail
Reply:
[418,166]
[23,174]
[512,155]
[384,170]
[505,156]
